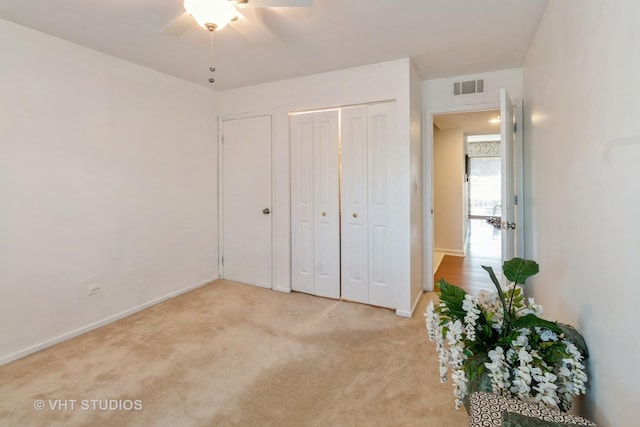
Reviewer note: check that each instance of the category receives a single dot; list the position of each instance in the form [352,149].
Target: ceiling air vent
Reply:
[468,87]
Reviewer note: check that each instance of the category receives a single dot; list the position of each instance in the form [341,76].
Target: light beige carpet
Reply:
[237,355]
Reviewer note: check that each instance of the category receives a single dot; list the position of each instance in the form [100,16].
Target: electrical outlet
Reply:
[94,289]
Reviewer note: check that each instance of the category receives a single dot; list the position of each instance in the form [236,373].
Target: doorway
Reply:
[511,220]
[483,176]
[466,188]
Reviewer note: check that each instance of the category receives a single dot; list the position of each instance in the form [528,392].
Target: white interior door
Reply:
[315,204]
[508,176]
[302,209]
[381,134]
[354,224]
[246,243]
[519,177]
[367,239]
[326,204]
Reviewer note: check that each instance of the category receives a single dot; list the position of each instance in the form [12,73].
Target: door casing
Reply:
[428,179]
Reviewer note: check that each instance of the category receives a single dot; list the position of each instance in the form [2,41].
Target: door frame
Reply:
[221,120]
[427,166]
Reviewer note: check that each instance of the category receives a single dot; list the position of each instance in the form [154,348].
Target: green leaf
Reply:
[532,321]
[518,270]
[495,281]
[575,338]
[449,292]
[452,296]
[555,353]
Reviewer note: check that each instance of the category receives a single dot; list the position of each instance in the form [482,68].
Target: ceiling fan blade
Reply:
[250,26]
[274,3]
[178,26]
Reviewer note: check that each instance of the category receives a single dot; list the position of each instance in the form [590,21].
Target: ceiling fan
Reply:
[216,14]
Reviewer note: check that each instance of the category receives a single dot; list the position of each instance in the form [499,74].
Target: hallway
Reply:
[483,248]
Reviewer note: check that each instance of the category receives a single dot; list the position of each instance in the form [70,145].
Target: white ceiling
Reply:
[473,123]
[443,37]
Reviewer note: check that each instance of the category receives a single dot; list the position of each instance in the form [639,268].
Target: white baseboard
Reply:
[282,289]
[454,252]
[30,350]
[409,314]
[437,259]
[403,313]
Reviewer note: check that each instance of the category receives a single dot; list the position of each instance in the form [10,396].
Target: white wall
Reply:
[107,175]
[582,139]
[439,98]
[384,81]
[448,191]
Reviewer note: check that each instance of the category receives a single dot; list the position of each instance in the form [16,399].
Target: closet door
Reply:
[354,156]
[315,234]
[367,257]
[381,132]
[302,209]
[326,204]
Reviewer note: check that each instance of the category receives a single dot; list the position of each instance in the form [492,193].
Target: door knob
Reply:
[355,215]
[266,211]
[324,213]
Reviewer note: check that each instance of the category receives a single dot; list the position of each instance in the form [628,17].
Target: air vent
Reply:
[468,87]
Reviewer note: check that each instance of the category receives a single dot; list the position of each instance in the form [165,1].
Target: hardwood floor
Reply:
[467,272]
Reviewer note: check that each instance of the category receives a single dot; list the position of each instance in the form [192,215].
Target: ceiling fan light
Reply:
[216,12]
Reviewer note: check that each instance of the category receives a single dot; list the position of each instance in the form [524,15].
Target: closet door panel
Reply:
[326,205]
[381,244]
[302,198]
[355,241]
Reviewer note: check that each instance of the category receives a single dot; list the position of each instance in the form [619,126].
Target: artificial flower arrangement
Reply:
[495,341]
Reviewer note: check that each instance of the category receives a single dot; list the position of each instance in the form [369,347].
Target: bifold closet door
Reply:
[367,258]
[315,230]
[382,258]
[354,226]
